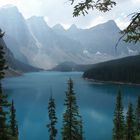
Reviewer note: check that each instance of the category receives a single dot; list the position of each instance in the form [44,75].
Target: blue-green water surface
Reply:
[96,103]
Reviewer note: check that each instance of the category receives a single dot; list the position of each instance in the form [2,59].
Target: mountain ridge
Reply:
[15,67]
[32,41]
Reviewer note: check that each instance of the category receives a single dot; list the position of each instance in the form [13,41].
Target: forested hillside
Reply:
[120,70]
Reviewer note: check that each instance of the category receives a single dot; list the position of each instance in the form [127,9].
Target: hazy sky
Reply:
[60,11]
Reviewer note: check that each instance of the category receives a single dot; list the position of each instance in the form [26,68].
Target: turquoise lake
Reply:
[96,103]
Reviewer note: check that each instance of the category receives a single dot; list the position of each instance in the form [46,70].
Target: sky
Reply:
[60,12]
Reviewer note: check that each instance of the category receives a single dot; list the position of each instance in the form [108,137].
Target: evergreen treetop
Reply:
[118,130]
[2,59]
[4,135]
[130,124]
[138,117]
[52,118]
[13,122]
[72,124]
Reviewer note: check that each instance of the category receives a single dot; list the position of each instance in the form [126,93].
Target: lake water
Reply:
[95,100]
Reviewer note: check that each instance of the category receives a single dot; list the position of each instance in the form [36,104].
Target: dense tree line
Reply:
[8,124]
[121,70]
[126,127]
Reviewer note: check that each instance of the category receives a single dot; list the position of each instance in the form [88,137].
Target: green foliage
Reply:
[130,34]
[5,128]
[84,6]
[118,130]
[53,119]
[13,122]
[131,129]
[80,128]
[4,134]
[13,138]
[138,117]
[72,123]
[3,98]
[125,70]
[130,124]
[2,59]
[137,137]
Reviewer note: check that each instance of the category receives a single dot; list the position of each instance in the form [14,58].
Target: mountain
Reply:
[17,35]
[121,70]
[58,29]
[99,42]
[32,41]
[55,48]
[71,66]
[15,67]
[73,29]
[101,38]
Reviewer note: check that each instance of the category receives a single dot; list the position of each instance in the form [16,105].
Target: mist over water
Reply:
[96,103]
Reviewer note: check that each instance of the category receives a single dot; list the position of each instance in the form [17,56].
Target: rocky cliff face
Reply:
[33,42]
[17,35]
[15,67]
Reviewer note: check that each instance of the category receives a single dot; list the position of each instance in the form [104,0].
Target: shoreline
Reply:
[12,73]
[111,82]
[17,74]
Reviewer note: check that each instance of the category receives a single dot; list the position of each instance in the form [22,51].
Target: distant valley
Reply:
[70,66]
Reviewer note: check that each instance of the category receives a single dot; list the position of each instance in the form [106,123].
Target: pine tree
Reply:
[3,116]
[138,117]
[13,122]
[80,128]
[53,119]
[118,130]
[4,135]
[130,124]
[72,124]
[2,59]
